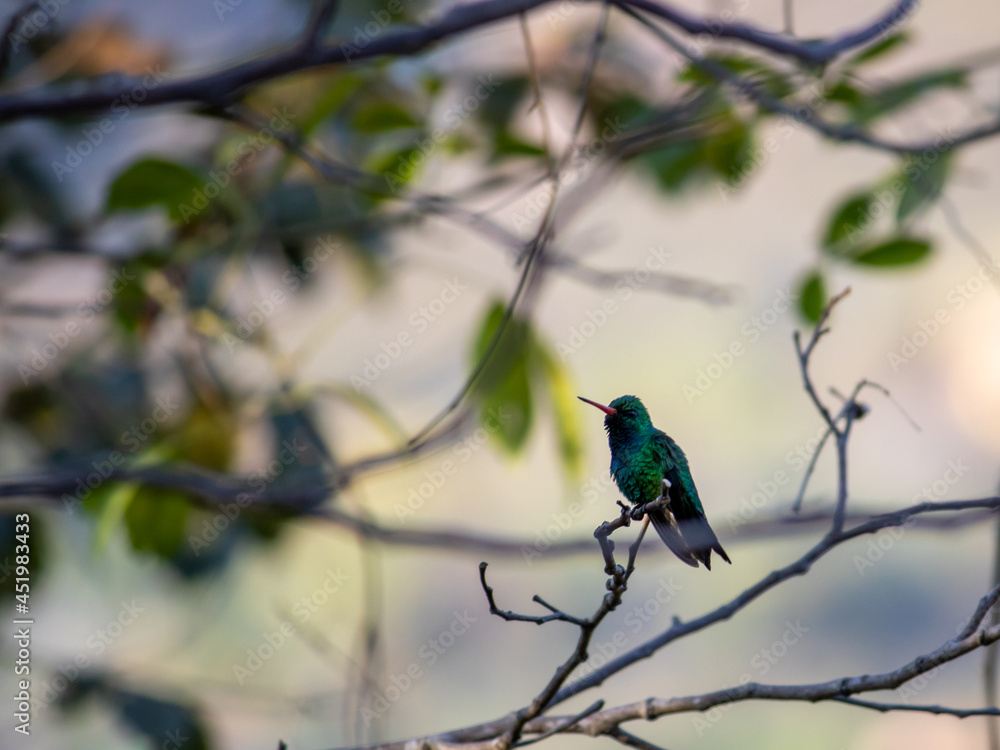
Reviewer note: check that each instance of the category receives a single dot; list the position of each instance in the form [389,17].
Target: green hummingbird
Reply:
[641,458]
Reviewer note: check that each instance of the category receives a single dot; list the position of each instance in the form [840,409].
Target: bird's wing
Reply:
[666,526]
[686,507]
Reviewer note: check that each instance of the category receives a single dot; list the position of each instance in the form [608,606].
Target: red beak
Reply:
[602,407]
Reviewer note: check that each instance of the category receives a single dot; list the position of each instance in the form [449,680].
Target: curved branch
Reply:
[223,86]
[847,133]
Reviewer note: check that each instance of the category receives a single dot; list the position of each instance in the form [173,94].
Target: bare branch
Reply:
[557,614]
[221,87]
[844,133]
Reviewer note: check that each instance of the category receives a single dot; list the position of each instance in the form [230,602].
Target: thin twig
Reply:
[961,713]
[631,740]
[556,614]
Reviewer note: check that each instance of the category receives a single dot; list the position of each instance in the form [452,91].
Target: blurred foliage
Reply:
[245,200]
[521,363]
[129,395]
[162,723]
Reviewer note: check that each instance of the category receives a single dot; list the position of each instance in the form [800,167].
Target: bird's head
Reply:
[625,414]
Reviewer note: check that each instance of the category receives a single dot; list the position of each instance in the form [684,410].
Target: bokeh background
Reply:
[356,270]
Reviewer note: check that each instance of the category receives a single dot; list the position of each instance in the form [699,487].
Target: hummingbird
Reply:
[641,458]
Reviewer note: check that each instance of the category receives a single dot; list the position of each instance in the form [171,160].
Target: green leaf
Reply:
[506,144]
[509,407]
[880,49]
[156,719]
[504,387]
[749,69]
[496,110]
[118,498]
[380,116]
[629,110]
[398,167]
[155,182]
[565,410]
[675,164]
[851,219]
[902,251]
[812,296]
[206,438]
[844,93]
[730,152]
[156,519]
[923,184]
[330,101]
[897,95]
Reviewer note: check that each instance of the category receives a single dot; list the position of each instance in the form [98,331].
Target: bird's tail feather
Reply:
[666,527]
[701,540]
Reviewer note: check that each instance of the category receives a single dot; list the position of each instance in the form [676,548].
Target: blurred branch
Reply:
[668,283]
[806,115]
[344,174]
[990,658]
[323,13]
[222,87]
[7,42]
[216,489]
